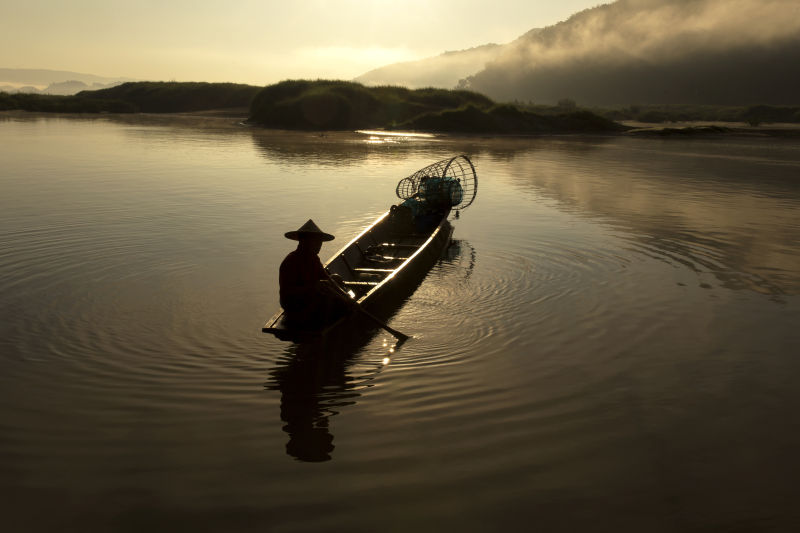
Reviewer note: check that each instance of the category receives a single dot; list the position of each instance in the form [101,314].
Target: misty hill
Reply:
[442,71]
[340,105]
[18,89]
[75,86]
[61,87]
[656,51]
[52,81]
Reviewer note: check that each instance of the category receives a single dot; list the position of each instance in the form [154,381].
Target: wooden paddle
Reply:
[339,293]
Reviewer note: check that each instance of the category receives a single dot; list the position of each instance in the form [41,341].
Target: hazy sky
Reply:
[255,41]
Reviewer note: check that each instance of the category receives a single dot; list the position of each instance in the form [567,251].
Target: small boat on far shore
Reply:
[386,261]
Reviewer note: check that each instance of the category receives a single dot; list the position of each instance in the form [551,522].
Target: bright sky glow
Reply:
[255,41]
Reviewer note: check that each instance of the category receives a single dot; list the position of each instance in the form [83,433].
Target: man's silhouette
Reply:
[305,286]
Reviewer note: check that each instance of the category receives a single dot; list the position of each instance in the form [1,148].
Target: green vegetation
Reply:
[326,105]
[506,118]
[753,115]
[132,97]
[177,97]
[340,105]
[683,132]
[62,104]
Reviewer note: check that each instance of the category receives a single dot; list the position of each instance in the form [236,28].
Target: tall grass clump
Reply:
[176,97]
[336,105]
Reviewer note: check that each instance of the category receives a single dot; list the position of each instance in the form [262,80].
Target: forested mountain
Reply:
[656,51]
[720,52]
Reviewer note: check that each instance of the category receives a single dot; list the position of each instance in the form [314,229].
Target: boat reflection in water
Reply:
[317,380]
[314,385]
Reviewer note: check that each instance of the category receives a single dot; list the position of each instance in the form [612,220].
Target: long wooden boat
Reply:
[386,261]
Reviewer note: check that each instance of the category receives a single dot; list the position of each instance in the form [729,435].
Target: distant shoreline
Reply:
[334,105]
[325,105]
[700,129]
[237,120]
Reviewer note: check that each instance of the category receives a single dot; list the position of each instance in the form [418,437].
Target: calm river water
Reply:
[610,344]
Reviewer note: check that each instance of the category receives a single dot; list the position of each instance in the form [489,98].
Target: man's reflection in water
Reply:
[314,382]
[313,386]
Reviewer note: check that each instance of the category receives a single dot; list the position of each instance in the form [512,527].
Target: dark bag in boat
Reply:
[402,218]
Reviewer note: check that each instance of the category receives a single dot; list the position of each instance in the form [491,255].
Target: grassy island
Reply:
[324,105]
[340,105]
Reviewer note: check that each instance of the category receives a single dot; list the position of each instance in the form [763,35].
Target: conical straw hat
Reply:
[309,228]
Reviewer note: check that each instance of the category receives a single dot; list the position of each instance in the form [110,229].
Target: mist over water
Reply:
[608,344]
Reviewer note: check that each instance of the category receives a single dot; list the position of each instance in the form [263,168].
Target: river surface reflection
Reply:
[609,343]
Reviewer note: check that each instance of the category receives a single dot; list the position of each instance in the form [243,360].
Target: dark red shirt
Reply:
[300,270]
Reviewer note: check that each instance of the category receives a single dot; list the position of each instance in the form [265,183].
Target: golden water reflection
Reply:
[705,206]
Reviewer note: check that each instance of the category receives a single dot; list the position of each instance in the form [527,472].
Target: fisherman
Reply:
[307,292]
